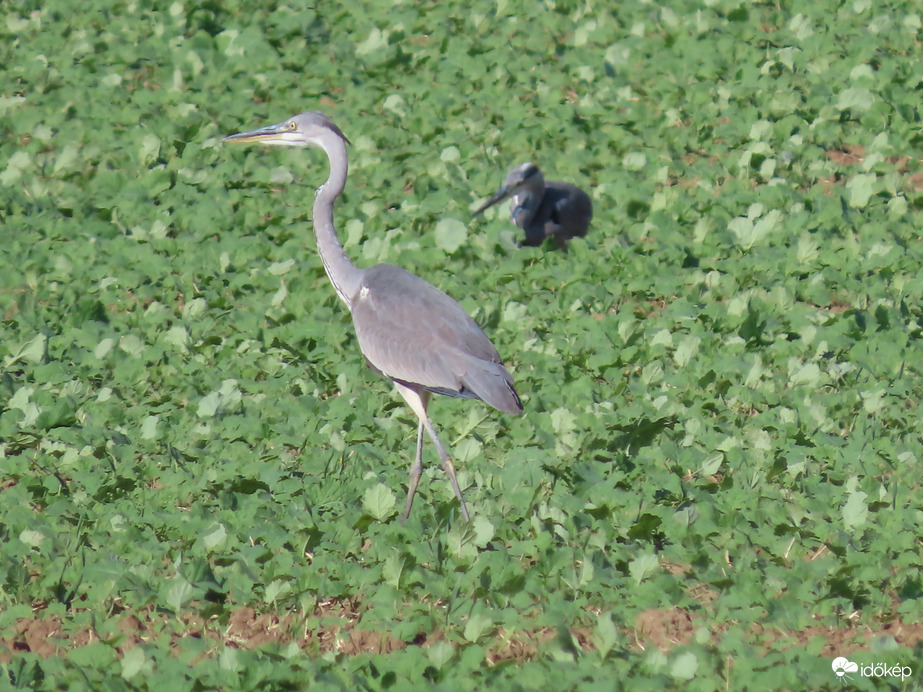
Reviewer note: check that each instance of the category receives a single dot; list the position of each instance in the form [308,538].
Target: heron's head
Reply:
[302,130]
[524,177]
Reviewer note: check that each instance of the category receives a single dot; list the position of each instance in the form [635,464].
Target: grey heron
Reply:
[408,329]
[543,208]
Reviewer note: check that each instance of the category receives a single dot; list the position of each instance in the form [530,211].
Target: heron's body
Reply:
[451,354]
[408,329]
[543,209]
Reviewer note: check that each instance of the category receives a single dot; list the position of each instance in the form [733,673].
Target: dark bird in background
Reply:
[543,209]
[408,329]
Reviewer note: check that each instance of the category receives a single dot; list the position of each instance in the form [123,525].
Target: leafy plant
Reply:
[716,482]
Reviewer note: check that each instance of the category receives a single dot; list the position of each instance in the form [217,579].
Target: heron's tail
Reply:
[492,383]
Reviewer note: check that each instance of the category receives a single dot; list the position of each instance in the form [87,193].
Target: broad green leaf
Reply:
[392,569]
[806,374]
[33,351]
[216,535]
[605,634]
[104,346]
[635,161]
[563,421]
[31,538]
[874,401]
[861,188]
[684,666]
[67,160]
[132,345]
[17,163]
[686,350]
[279,297]
[855,510]
[276,589]
[450,154]
[178,336]
[711,465]
[662,338]
[742,228]
[451,234]
[379,501]
[855,98]
[761,129]
[440,653]
[460,542]
[467,449]
[281,268]
[477,626]
[643,566]
[395,103]
[178,592]
[149,427]
[194,308]
[229,660]
[515,312]
[376,40]
[208,405]
[134,662]
[484,531]
[149,149]
[8,103]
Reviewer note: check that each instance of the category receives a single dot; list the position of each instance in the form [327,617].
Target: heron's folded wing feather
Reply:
[414,333]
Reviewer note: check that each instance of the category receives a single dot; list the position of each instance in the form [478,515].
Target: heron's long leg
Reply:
[448,466]
[418,402]
[415,472]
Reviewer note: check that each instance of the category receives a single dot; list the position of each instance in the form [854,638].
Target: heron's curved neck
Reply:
[527,200]
[523,208]
[343,274]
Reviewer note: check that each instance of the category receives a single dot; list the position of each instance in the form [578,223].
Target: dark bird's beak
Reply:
[498,196]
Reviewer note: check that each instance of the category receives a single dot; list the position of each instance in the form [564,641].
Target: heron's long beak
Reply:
[498,196]
[273,134]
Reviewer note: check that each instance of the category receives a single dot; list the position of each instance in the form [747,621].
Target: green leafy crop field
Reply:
[716,483]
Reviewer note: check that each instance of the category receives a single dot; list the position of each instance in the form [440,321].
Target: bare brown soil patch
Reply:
[664,628]
[847,156]
[334,627]
[41,636]
[916,181]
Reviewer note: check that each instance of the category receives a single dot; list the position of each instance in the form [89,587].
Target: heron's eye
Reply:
[292,126]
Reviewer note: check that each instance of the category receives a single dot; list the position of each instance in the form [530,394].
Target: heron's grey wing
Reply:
[415,334]
[541,225]
[546,221]
[569,208]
